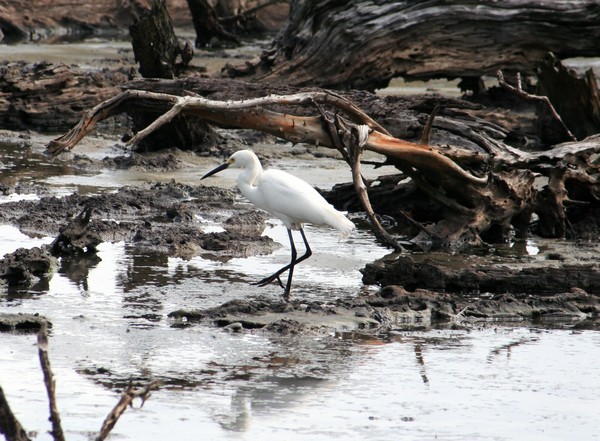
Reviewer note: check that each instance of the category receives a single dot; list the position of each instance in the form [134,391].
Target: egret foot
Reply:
[270,279]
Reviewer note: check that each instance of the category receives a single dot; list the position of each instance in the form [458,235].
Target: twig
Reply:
[420,226]
[126,400]
[9,425]
[354,146]
[425,136]
[544,99]
[350,148]
[57,432]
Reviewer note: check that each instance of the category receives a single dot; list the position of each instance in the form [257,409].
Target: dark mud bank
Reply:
[394,308]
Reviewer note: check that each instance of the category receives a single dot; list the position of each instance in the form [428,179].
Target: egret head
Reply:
[240,159]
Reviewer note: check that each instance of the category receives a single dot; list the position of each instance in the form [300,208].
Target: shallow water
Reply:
[110,326]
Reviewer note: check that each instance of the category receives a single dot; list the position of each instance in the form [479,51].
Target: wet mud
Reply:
[393,308]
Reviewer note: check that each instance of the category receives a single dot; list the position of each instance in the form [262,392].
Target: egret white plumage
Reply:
[288,198]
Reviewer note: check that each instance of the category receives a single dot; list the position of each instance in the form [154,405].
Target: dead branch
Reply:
[251,114]
[425,136]
[10,426]
[57,432]
[354,138]
[528,96]
[419,159]
[354,141]
[126,400]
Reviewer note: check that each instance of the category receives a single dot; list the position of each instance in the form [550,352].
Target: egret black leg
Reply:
[290,266]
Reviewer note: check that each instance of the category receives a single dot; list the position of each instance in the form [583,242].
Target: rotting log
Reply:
[366,43]
[481,195]
[32,95]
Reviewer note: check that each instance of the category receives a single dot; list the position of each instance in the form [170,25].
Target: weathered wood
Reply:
[32,96]
[157,48]
[48,19]
[10,426]
[21,19]
[155,44]
[551,127]
[366,43]
[253,15]
[577,100]
[475,204]
[208,28]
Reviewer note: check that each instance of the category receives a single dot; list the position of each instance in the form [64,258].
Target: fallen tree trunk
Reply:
[366,43]
[482,194]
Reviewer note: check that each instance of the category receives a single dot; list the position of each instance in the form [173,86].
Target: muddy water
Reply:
[111,325]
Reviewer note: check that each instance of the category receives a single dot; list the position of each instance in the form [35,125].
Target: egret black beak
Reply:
[216,170]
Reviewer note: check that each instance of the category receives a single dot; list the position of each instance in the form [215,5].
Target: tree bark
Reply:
[156,48]
[155,44]
[366,43]
[206,23]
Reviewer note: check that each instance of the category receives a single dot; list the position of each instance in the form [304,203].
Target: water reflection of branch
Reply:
[421,361]
[508,348]
[12,429]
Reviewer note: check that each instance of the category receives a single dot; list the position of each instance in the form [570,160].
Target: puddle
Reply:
[110,326]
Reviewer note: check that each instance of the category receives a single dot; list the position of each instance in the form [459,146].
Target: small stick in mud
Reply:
[126,400]
[57,432]
[10,426]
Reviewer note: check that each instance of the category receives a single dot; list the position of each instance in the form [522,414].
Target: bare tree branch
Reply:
[528,96]
[126,400]
[57,432]
[10,426]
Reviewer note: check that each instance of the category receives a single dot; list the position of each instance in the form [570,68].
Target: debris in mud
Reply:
[250,222]
[25,267]
[161,218]
[76,237]
[22,322]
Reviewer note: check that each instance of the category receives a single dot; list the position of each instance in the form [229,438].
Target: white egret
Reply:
[288,198]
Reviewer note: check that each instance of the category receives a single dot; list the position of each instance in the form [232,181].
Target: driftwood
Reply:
[33,95]
[577,100]
[126,400]
[57,431]
[484,194]
[366,43]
